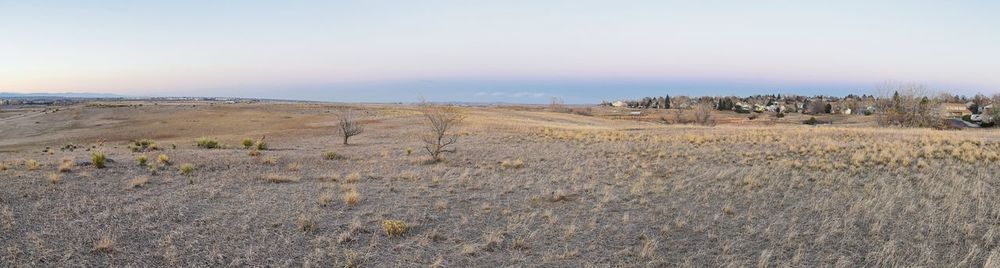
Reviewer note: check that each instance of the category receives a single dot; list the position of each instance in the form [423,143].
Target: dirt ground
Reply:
[525,187]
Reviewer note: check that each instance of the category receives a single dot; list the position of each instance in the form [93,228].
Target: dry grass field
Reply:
[524,187]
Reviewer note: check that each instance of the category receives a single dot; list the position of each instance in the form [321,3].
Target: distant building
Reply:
[618,104]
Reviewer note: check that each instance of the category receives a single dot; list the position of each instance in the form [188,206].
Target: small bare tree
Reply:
[348,126]
[441,122]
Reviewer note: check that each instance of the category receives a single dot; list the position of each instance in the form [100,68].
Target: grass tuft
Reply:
[31,164]
[98,159]
[351,197]
[247,143]
[511,164]
[138,182]
[66,165]
[104,245]
[353,177]
[393,228]
[325,199]
[186,169]
[163,159]
[207,143]
[53,178]
[305,223]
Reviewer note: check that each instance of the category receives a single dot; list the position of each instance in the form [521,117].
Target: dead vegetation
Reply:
[348,126]
[528,188]
[138,182]
[279,178]
[393,228]
[441,123]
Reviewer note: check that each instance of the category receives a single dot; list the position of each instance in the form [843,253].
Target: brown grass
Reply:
[351,197]
[354,177]
[138,182]
[595,192]
[66,165]
[163,159]
[104,245]
[393,228]
[512,164]
[305,223]
[31,164]
[279,178]
[53,178]
[325,199]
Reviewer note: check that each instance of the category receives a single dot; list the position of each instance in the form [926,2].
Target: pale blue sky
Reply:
[513,51]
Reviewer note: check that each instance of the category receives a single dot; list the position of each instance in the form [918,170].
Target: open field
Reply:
[525,187]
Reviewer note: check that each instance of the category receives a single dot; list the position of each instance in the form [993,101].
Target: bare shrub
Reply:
[557,105]
[703,114]
[585,111]
[441,122]
[679,116]
[348,126]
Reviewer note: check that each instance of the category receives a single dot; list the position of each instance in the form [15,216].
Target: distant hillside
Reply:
[59,95]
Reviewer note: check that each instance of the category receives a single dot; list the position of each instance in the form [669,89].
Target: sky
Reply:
[517,51]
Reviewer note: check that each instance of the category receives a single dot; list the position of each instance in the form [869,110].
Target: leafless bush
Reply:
[703,114]
[441,122]
[557,105]
[585,111]
[907,105]
[348,126]
[679,116]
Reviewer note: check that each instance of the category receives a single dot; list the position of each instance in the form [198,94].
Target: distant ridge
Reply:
[59,95]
